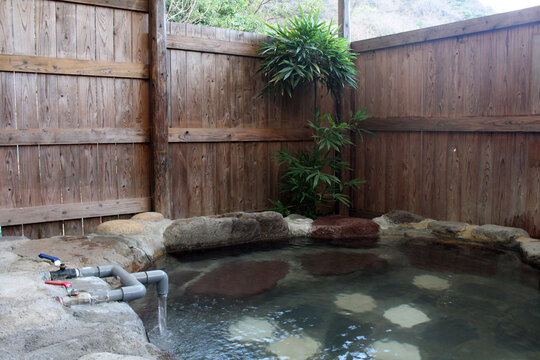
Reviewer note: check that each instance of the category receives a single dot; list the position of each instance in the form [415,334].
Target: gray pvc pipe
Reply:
[133,284]
[155,276]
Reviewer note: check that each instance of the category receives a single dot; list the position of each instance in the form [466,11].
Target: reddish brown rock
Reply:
[337,262]
[346,231]
[241,279]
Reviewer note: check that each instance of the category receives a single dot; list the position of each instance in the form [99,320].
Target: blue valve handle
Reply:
[54,260]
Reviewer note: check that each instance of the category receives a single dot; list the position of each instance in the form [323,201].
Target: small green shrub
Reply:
[309,183]
[305,50]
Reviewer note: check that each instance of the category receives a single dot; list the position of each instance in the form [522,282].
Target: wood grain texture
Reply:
[455,123]
[49,213]
[47,65]
[135,5]
[210,45]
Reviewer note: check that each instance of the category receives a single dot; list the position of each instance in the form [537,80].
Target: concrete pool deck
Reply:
[33,325]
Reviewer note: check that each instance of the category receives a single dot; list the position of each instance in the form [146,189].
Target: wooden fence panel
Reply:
[212,90]
[50,173]
[453,141]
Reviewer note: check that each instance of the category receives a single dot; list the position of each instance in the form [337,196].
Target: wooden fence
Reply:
[80,103]
[107,111]
[456,109]
[222,133]
[73,114]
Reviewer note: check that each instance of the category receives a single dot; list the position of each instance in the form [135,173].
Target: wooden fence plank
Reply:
[135,5]
[206,135]
[58,212]
[59,66]
[461,124]
[195,44]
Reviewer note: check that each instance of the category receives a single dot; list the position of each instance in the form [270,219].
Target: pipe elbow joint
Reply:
[133,292]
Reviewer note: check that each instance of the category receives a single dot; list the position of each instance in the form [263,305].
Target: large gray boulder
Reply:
[207,232]
[33,325]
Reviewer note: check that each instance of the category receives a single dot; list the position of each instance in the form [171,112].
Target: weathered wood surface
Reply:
[457,126]
[159,109]
[461,124]
[136,5]
[222,134]
[50,213]
[188,43]
[55,136]
[58,66]
[77,73]
[209,135]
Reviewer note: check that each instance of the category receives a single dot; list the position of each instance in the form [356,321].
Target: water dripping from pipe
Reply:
[162,314]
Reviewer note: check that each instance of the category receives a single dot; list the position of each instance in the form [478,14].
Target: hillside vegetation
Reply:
[369,18]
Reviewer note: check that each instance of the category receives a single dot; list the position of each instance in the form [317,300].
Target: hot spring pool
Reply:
[400,300]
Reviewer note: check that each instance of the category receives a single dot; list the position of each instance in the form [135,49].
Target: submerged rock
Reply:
[405,316]
[431,282]
[356,303]
[241,279]
[337,262]
[251,329]
[393,350]
[355,232]
[295,348]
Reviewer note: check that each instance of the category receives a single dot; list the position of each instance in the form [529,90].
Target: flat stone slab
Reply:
[337,262]
[448,228]
[497,233]
[240,279]
[338,227]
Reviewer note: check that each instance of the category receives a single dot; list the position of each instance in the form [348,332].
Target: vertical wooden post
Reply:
[159,128]
[345,105]
[344,19]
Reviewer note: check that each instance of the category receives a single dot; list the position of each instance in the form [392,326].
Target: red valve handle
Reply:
[61,283]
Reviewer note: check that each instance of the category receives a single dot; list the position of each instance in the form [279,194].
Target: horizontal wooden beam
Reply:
[59,212]
[10,137]
[461,28]
[136,5]
[178,42]
[189,135]
[57,66]
[459,124]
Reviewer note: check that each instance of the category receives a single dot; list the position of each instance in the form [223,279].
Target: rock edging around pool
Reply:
[403,224]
